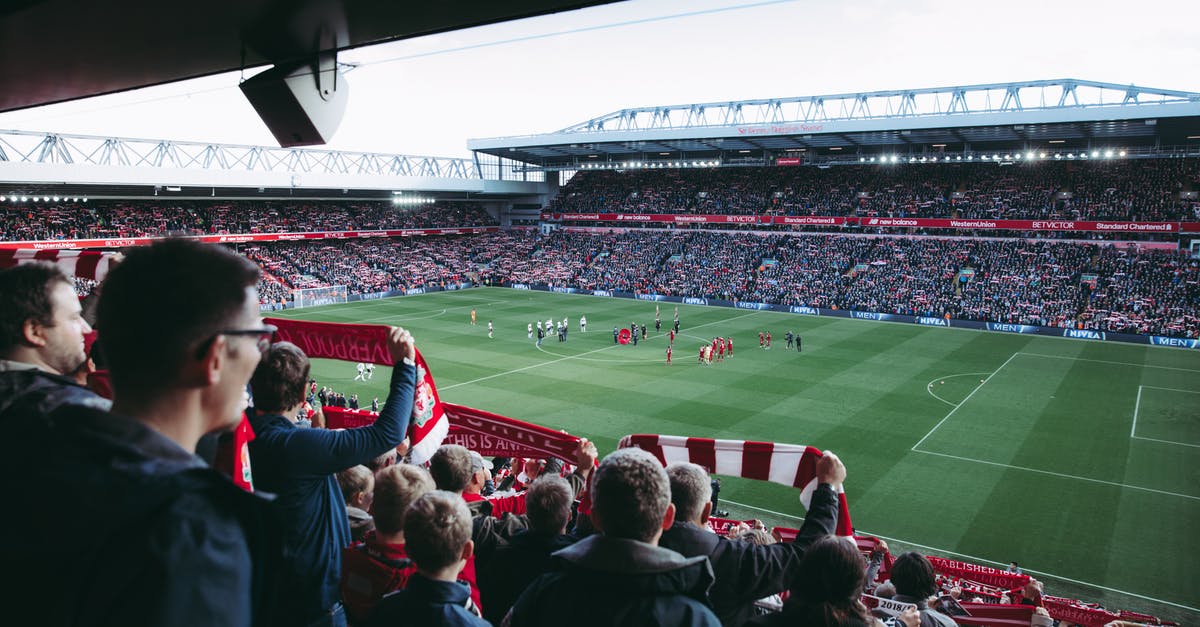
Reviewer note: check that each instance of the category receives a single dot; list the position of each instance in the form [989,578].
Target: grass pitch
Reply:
[1079,459]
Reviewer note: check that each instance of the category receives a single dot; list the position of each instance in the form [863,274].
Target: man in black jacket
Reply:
[621,576]
[527,556]
[151,535]
[745,572]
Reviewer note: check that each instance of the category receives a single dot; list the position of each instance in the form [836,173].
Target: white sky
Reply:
[427,96]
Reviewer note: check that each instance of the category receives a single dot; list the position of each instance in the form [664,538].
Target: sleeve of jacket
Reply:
[324,452]
[765,570]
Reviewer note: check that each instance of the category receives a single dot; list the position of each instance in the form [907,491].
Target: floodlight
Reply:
[1108,154]
[1095,153]
[1122,153]
[1030,155]
[24,199]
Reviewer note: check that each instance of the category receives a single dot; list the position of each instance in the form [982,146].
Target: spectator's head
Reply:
[41,322]
[481,472]
[279,381]
[548,504]
[631,496]
[396,487]
[691,492]
[181,327]
[451,467]
[437,534]
[913,575]
[385,459]
[358,485]
[828,584]
[885,590]
[756,536]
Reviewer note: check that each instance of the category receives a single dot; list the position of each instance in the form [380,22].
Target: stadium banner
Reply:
[888,606]
[1006,327]
[75,263]
[1021,225]
[994,615]
[973,572]
[500,436]
[125,242]
[921,223]
[1077,612]
[1189,227]
[365,343]
[804,311]
[1158,340]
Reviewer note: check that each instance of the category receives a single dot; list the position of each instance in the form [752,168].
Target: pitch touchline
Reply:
[964,401]
[1105,361]
[980,559]
[554,361]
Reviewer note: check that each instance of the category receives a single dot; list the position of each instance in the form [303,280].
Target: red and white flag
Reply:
[789,464]
[82,264]
[429,424]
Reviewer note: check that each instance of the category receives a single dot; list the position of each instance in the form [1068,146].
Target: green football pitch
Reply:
[1078,459]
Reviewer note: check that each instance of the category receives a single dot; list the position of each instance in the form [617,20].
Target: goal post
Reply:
[317,296]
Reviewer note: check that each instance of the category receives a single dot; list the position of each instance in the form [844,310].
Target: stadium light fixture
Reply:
[1031,156]
[56,199]
[1108,154]
[995,157]
[1122,153]
[1042,155]
[24,199]
[1070,155]
[1095,154]
[1083,155]
[895,158]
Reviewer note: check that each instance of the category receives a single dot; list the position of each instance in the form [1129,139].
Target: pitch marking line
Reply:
[1105,361]
[980,559]
[929,386]
[554,361]
[964,402]
[1137,405]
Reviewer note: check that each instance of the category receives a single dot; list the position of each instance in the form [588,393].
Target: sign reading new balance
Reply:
[1086,334]
[695,301]
[933,322]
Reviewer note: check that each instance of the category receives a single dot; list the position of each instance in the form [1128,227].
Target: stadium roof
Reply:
[1066,114]
[58,50]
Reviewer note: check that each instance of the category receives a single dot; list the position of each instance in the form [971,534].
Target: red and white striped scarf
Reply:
[83,264]
[789,464]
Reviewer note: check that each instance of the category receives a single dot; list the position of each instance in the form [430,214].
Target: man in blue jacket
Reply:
[300,466]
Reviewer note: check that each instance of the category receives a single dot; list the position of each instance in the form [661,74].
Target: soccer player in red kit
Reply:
[768,339]
[668,355]
[761,340]
[671,334]
[721,349]
[729,343]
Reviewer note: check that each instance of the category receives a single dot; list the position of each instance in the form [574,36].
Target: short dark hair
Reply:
[913,575]
[548,504]
[828,583]
[630,494]
[280,379]
[451,467]
[436,528]
[162,302]
[25,292]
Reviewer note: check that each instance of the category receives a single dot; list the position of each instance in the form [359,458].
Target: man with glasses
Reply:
[300,467]
[149,533]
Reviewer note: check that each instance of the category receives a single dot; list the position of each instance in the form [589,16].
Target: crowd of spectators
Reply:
[124,219]
[1127,190]
[1039,282]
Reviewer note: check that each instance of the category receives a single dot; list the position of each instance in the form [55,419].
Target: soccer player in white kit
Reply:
[529,330]
[490,328]
[362,369]
[583,323]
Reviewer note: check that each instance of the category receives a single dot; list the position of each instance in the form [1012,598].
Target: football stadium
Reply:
[981,299]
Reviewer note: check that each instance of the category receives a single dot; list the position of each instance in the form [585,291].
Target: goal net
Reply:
[316,296]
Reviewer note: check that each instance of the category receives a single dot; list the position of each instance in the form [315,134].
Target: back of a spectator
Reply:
[528,554]
[437,531]
[621,576]
[915,582]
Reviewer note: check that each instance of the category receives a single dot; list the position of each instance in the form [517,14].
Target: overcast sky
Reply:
[427,96]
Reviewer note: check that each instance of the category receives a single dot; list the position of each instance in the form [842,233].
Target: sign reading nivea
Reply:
[933,322]
[695,301]
[601,293]
[1179,342]
[808,311]
[412,291]
[1086,334]
[520,286]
